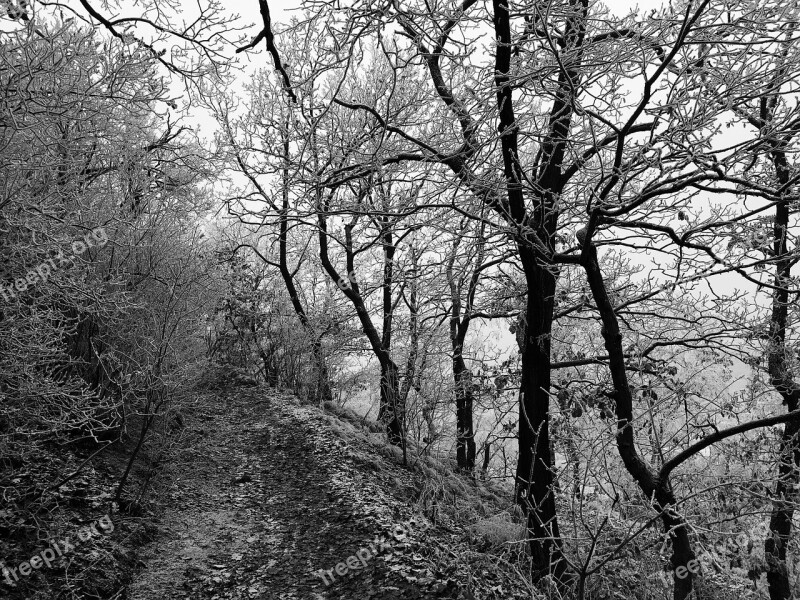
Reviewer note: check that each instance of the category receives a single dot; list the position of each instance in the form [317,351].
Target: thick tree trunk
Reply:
[780,522]
[535,477]
[783,506]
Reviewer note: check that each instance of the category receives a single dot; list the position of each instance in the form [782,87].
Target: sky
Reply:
[281,10]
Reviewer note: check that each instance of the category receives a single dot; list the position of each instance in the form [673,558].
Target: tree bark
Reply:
[780,522]
[783,506]
[535,483]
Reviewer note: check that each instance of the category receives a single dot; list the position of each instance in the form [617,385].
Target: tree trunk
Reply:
[535,243]
[465,434]
[462,376]
[780,522]
[647,479]
[390,412]
[535,478]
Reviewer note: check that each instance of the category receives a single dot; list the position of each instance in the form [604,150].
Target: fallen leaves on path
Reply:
[271,500]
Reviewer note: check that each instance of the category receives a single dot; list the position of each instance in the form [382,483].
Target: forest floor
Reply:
[275,496]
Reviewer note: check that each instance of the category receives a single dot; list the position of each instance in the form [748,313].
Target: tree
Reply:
[259,129]
[714,169]
[776,127]
[392,411]
[461,316]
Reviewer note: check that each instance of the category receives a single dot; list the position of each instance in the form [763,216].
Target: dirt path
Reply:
[269,499]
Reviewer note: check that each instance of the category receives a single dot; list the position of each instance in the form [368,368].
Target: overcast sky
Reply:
[281,9]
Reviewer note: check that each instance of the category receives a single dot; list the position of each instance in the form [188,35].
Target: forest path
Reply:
[269,498]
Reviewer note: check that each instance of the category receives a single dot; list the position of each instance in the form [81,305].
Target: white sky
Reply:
[281,10]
